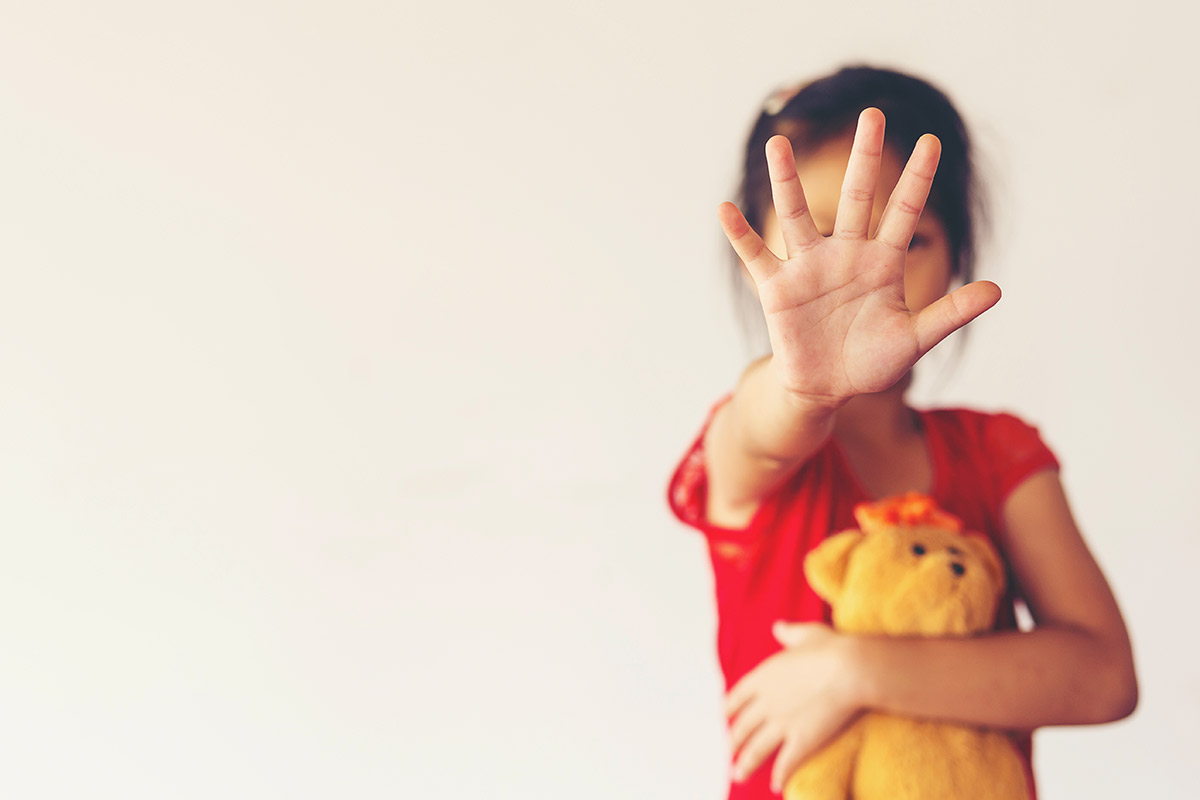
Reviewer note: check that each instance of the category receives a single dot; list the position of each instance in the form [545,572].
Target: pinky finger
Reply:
[791,756]
[749,246]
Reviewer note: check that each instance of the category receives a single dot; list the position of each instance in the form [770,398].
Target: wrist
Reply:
[817,407]
[860,689]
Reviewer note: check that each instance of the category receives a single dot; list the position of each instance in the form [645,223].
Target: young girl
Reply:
[854,292]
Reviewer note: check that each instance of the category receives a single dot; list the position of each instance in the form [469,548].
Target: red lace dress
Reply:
[977,458]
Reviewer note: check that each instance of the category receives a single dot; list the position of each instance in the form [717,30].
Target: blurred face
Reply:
[928,265]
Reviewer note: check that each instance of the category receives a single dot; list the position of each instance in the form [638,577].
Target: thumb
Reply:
[791,634]
[953,311]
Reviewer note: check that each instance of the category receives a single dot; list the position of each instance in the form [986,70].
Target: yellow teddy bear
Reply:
[909,571]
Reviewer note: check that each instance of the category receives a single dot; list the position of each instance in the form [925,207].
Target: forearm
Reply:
[1050,676]
[762,434]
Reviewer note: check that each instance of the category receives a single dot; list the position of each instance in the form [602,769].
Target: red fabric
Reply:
[978,459]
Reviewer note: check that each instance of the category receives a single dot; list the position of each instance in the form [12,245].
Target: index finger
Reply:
[904,207]
[737,698]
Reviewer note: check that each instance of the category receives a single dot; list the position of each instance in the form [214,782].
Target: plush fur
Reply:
[909,571]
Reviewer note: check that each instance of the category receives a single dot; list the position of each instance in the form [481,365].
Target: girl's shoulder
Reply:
[989,428]
[999,444]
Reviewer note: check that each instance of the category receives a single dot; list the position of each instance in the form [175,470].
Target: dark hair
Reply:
[813,114]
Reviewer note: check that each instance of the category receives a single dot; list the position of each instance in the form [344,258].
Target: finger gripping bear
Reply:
[909,571]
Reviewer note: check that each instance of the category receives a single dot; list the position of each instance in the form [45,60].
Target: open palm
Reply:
[834,307]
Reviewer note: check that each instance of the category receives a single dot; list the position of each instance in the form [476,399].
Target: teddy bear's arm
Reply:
[827,774]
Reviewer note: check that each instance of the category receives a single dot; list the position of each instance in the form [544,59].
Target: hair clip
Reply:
[779,98]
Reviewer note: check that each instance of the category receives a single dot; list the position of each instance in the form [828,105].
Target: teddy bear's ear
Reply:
[986,551]
[825,566]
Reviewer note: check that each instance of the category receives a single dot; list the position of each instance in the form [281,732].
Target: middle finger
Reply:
[744,725]
[862,174]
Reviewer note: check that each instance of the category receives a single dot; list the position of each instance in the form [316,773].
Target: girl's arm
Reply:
[1075,668]
[756,440]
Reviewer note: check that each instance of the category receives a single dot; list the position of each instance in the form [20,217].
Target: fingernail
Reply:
[738,774]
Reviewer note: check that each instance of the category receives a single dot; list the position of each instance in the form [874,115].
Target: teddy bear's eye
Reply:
[918,549]
[954,551]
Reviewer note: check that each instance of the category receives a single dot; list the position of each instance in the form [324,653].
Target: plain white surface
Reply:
[347,350]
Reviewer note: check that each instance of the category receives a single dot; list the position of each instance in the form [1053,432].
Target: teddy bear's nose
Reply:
[958,569]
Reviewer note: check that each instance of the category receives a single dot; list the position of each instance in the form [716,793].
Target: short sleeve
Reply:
[1017,452]
[687,496]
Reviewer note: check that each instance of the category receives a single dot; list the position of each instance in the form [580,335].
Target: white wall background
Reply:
[346,349]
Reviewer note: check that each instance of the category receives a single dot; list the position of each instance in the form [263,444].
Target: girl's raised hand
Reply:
[834,307]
